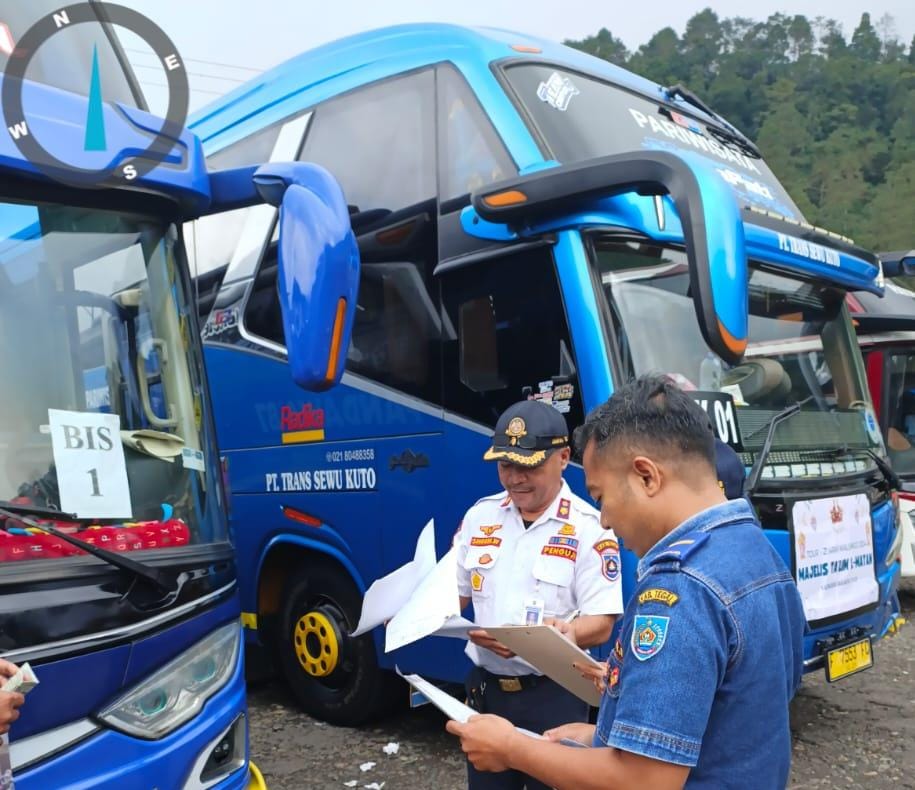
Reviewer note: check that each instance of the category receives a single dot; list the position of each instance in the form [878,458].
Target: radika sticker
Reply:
[489,529]
[560,551]
[656,595]
[562,511]
[485,541]
[649,633]
[476,581]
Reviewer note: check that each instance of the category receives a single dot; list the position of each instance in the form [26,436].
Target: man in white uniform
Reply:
[532,551]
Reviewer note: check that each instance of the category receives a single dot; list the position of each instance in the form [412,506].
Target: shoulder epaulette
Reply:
[681,549]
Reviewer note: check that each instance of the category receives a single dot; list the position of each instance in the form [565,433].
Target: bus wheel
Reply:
[334,677]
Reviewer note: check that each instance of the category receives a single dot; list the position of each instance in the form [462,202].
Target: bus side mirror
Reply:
[713,231]
[318,274]
[898,264]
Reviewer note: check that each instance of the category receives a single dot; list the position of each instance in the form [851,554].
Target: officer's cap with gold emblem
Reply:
[526,433]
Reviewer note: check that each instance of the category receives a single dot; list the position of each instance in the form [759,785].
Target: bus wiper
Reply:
[777,419]
[722,135]
[883,467]
[167,582]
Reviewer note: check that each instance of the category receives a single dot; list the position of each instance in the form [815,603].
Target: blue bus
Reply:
[532,222]
[117,573]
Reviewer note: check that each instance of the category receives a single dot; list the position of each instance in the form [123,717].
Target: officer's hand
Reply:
[597,675]
[10,702]
[564,627]
[579,731]
[7,668]
[479,637]
[485,740]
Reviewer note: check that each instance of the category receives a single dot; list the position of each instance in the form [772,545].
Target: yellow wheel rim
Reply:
[316,646]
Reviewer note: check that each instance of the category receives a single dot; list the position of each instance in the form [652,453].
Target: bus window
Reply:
[511,335]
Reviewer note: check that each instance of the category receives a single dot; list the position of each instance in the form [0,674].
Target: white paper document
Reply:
[419,599]
[544,648]
[388,594]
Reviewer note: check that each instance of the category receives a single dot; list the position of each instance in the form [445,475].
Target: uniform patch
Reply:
[567,529]
[476,581]
[485,559]
[560,551]
[478,541]
[564,540]
[618,650]
[489,529]
[659,596]
[609,551]
[679,550]
[564,509]
[614,679]
[649,632]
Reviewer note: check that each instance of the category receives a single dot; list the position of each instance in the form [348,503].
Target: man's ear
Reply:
[648,474]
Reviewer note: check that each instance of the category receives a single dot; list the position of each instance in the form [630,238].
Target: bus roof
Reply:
[54,114]
[383,52]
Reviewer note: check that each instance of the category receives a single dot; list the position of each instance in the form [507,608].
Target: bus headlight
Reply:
[175,693]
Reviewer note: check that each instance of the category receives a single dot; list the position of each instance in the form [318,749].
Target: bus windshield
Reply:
[581,117]
[802,349]
[103,409]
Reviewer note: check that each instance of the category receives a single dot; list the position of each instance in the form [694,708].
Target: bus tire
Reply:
[333,677]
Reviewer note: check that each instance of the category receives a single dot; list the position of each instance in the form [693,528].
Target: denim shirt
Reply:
[709,654]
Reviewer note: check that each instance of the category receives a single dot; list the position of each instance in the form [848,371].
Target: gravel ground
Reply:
[858,732]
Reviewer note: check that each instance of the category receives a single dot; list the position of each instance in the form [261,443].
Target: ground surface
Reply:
[859,732]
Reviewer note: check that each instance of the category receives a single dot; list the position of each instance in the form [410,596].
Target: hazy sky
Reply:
[227,41]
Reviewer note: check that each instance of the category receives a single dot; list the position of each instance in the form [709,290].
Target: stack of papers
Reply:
[419,599]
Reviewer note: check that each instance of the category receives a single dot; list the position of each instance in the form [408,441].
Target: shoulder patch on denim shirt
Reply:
[649,632]
[656,595]
[680,549]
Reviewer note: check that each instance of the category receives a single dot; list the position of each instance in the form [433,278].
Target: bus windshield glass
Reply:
[103,409]
[581,117]
[802,349]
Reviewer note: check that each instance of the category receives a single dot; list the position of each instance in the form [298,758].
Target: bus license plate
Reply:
[848,659]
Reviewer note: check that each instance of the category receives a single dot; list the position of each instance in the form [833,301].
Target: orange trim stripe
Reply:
[336,341]
[295,437]
[735,345]
[511,197]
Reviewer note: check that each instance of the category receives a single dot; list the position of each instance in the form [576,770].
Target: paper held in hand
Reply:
[418,599]
[544,648]
[23,681]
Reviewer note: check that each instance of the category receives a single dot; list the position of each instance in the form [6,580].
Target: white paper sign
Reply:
[834,555]
[91,470]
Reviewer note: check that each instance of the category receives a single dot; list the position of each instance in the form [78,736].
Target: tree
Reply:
[604,45]
[865,43]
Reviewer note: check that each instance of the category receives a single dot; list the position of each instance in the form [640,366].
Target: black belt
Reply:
[512,683]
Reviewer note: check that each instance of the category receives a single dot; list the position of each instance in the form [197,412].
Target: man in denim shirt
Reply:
[710,647]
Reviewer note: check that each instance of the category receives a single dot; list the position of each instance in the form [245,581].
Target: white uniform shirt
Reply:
[564,559]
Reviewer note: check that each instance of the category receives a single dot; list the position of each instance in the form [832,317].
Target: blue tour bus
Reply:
[532,222]
[118,583]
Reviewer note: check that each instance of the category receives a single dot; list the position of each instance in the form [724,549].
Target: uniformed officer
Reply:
[710,647]
[532,552]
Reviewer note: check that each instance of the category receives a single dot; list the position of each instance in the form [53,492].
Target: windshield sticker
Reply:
[557,396]
[871,426]
[91,469]
[834,555]
[192,459]
[692,138]
[808,249]
[557,91]
[744,184]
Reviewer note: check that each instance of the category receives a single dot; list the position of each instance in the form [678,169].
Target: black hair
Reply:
[650,413]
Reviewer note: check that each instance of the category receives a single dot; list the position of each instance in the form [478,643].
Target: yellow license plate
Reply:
[848,659]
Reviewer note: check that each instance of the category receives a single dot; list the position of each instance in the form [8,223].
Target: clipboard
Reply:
[548,651]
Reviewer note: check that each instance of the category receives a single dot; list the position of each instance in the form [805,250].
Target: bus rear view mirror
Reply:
[713,232]
[318,274]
